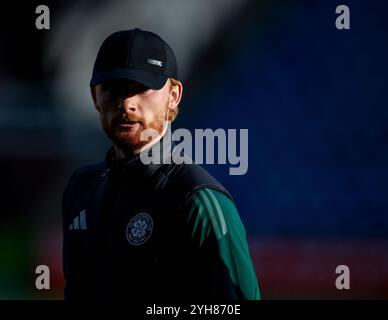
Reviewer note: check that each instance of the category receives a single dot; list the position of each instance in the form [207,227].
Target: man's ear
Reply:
[93,92]
[175,95]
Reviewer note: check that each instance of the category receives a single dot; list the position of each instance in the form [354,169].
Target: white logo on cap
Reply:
[154,62]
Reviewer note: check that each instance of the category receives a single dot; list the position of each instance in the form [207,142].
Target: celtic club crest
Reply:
[139,228]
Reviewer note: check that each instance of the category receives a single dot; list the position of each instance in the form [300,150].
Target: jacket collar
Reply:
[121,168]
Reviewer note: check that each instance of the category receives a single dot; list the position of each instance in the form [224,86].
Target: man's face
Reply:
[127,108]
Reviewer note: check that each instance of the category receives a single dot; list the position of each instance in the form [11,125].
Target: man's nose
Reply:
[127,104]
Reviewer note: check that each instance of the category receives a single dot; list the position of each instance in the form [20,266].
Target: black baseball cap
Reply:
[137,55]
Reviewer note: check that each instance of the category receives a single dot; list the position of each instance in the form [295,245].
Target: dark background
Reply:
[314,99]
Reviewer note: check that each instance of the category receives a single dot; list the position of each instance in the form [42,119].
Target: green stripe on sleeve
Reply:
[214,206]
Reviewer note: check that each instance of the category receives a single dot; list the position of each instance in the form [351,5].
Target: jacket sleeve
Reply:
[74,287]
[225,268]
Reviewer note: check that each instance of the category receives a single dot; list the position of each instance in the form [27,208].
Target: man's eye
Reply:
[116,89]
[111,90]
[106,88]
[139,88]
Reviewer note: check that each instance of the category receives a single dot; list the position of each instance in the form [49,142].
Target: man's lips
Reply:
[127,124]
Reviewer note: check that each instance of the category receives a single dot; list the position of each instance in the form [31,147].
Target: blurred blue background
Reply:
[313,98]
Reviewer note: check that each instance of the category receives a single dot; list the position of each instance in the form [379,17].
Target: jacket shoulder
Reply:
[87,174]
[80,182]
[188,178]
[89,171]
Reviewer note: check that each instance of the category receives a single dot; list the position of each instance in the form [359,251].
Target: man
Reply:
[148,231]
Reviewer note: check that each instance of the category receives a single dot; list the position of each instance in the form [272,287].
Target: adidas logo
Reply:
[79,222]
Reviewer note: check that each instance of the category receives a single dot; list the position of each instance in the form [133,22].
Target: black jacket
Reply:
[129,232]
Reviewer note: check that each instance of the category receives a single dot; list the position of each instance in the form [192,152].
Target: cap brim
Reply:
[150,79]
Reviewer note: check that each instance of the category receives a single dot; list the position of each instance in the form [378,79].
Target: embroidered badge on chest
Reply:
[139,228]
